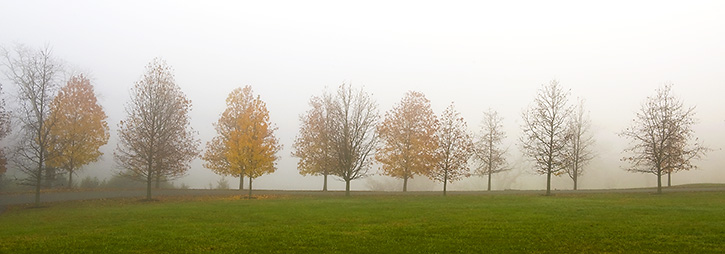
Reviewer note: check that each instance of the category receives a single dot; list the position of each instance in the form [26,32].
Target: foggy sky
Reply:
[613,54]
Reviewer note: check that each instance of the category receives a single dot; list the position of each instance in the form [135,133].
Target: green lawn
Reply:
[684,222]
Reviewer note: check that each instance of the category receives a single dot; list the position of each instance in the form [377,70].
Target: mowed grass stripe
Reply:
[687,222]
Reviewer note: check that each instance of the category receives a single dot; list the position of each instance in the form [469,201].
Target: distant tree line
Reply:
[411,140]
[60,127]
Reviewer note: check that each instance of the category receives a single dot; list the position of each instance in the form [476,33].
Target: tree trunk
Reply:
[490,159]
[324,184]
[70,179]
[347,188]
[489,180]
[548,182]
[49,177]
[149,179]
[405,183]
[241,182]
[250,188]
[37,185]
[659,182]
[39,181]
[669,179]
[445,182]
[576,168]
[158,180]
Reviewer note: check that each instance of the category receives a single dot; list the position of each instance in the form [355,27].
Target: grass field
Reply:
[687,222]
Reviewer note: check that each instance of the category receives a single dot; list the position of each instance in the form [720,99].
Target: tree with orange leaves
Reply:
[408,135]
[246,144]
[80,127]
[455,147]
[313,145]
[343,141]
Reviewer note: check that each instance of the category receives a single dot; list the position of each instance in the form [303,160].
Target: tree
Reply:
[246,143]
[4,130]
[661,137]
[156,140]
[487,150]
[353,115]
[546,135]
[313,145]
[36,75]
[455,147]
[80,127]
[215,159]
[408,135]
[580,143]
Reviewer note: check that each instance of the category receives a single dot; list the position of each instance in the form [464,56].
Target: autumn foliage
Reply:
[246,144]
[313,145]
[79,127]
[408,137]
[342,127]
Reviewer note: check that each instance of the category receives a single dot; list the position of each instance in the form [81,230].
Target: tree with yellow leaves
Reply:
[79,127]
[455,147]
[246,144]
[408,135]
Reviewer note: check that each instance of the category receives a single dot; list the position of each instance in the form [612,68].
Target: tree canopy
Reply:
[408,137]
[79,127]
[155,139]
[546,135]
[246,144]
[455,147]
[662,138]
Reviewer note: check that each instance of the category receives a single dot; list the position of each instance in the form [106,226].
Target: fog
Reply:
[613,54]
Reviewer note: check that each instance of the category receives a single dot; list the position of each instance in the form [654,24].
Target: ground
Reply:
[690,221]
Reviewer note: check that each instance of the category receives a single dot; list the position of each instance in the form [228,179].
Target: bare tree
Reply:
[4,130]
[488,152]
[354,116]
[661,137]
[155,139]
[580,143]
[545,136]
[36,75]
